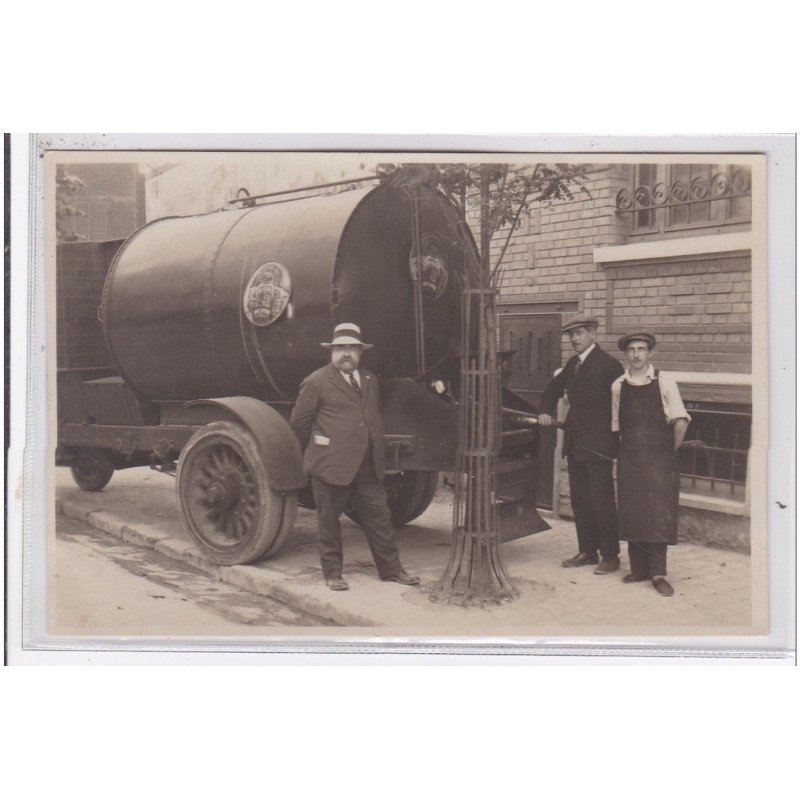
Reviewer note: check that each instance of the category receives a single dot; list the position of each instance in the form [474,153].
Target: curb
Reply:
[256,580]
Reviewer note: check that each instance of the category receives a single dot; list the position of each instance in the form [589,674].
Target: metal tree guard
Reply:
[475,575]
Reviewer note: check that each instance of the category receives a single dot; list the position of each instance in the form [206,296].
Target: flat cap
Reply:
[633,336]
[581,321]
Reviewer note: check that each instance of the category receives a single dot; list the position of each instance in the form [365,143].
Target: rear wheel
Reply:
[407,493]
[92,469]
[410,493]
[228,507]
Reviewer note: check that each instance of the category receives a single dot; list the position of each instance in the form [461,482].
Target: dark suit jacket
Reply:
[588,424]
[335,425]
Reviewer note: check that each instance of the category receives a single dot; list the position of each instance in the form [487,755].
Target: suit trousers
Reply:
[648,558]
[371,506]
[591,488]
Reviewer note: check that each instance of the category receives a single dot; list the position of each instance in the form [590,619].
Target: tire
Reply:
[228,508]
[413,497]
[289,516]
[92,470]
[408,494]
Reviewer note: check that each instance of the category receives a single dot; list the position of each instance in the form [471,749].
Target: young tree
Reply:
[475,574]
[500,193]
[67,186]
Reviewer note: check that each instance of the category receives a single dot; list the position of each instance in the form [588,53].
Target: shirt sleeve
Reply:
[616,389]
[671,399]
[553,393]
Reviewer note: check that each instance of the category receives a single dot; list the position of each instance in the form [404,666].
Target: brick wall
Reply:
[550,254]
[699,307]
[699,310]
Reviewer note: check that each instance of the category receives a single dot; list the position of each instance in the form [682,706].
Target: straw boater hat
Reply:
[346,333]
[636,336]
[581,321]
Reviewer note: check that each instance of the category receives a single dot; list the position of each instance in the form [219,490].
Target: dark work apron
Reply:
[648,478]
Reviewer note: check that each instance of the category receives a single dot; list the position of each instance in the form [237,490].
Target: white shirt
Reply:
[671,400]
[582,356]
[354,373]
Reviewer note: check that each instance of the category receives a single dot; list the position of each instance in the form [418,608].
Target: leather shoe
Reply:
[337,584]
[663,587]
[404,578]
[635,578]
[608,565]
[580,560]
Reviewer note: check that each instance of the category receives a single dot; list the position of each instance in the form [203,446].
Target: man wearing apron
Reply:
[648,412]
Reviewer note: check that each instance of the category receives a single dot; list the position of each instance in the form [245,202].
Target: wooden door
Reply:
[534,341]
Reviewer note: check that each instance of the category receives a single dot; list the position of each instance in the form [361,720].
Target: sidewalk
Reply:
[712,587]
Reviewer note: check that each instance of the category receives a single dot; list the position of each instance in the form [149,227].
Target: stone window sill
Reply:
[721,505]
[673,248]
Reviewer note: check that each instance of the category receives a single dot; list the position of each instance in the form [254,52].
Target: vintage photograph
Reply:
[301,396]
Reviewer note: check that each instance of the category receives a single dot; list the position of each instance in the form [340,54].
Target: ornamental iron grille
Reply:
[663,197]
[720,468]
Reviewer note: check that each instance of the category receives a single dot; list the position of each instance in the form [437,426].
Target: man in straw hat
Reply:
[337,419]
[589,443]
[649,414]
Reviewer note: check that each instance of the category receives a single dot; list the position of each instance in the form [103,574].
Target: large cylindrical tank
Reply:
[237,302]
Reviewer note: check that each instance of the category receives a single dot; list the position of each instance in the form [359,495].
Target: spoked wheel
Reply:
[92,470]
[408,494]
[228,507]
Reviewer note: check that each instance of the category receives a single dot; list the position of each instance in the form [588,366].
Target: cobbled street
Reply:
[712,586]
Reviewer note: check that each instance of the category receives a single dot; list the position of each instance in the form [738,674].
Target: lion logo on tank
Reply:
[267,294]
[434,268]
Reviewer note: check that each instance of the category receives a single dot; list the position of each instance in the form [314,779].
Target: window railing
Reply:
[719,467]
[716,471]
[664,197]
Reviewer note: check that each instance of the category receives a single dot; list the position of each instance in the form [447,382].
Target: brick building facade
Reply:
[696,294]
[672,255]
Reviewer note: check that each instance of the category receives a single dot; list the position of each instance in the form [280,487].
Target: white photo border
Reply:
[27,455]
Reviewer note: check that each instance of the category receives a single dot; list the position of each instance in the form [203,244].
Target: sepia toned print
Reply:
[493,298]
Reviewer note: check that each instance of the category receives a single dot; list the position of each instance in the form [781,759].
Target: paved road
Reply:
[103,586]
[714,589]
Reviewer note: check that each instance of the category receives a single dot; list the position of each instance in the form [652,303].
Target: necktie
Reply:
[354,383]
[578,364]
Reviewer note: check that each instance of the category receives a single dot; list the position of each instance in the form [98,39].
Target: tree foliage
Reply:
[67,186]
[501,193]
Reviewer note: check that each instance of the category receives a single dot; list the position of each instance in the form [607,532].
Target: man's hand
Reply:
[545,420]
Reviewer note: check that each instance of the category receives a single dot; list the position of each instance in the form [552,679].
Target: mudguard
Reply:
[279,447]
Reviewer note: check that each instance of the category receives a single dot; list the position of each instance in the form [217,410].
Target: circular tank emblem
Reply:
[267,293]
[434,269]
